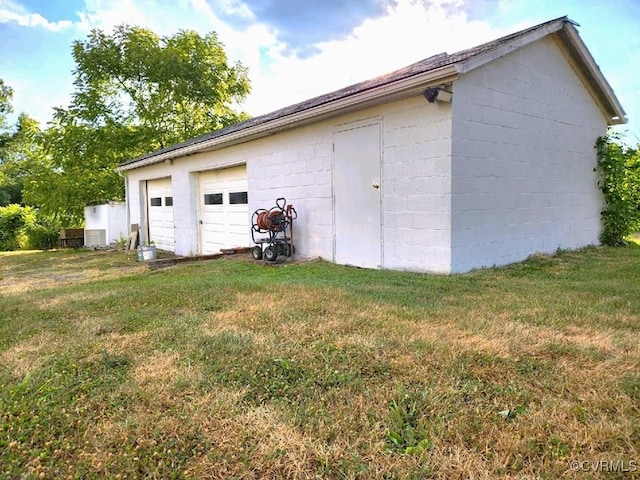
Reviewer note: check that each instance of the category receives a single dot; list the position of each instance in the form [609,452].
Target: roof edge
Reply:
[520,40]
[438,69]
[400,88]
[565,29]
[590,69]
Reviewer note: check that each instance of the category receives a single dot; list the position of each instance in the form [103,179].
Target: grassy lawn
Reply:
[234,369]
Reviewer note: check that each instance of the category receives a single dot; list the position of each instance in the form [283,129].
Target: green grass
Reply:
[234,369]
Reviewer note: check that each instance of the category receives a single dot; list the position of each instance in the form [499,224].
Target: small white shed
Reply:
[105,224]
[466,160]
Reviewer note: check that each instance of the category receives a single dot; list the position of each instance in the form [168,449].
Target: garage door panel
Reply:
[160,213]
[224,211]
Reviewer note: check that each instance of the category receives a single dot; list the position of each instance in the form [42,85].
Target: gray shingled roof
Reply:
[432,63]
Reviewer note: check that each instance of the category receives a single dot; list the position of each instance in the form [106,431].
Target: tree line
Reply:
[134,92]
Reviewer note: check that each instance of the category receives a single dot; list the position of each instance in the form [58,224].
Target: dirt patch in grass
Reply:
[28,355]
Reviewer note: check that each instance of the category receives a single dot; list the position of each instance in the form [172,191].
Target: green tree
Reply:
[20,154]
[135,92]
[619,167]
[17,144]
[6,95]
[13,220]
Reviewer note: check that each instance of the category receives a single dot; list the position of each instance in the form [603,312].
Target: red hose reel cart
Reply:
[272,232]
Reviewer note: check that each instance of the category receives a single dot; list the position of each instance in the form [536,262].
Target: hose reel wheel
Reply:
[256,252]
[271,253]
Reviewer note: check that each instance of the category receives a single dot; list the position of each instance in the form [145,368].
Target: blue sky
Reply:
[296,49]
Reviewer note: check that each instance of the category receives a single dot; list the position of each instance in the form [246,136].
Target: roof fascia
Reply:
[518,42]
[585,65]
[579,57]
[394,91]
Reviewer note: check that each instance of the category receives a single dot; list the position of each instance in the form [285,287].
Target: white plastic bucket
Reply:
[147,252]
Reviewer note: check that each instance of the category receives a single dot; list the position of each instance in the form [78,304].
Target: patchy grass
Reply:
[233,369]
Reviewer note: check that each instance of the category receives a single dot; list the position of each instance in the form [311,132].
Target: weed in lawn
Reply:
[407,434]
[512,413]
[113,362]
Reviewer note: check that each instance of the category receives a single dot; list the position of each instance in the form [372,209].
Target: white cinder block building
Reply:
[459,161]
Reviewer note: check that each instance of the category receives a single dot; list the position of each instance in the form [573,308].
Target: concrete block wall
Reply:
[415,189]
[416,186]
[523,155]
[136,194]
[296,165]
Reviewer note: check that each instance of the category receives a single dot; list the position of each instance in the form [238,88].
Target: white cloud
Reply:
[233,7]
[12,12]
[408,33]
[105,14]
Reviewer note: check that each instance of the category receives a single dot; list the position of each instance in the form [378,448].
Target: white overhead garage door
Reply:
[224,209]
[160,208]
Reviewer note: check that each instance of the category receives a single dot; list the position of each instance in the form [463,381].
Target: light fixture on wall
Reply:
[437,93]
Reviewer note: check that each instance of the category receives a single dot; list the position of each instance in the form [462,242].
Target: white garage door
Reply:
[224,209]
[160,208]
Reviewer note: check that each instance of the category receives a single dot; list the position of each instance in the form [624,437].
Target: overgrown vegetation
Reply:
[25,228]
[232,369]
[619,166]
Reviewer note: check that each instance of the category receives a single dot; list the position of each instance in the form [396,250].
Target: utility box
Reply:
[105,224]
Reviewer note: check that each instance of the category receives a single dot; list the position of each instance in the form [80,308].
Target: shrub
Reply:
[26,228]
[619,167]
[13,219]
[42,234]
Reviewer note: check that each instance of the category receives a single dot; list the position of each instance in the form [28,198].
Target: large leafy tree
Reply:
[135,92]
[20,156]
[6,94]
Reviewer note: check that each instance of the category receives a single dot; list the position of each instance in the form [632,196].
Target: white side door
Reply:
[357,195]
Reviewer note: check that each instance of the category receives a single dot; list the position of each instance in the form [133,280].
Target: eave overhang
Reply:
[398,90]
